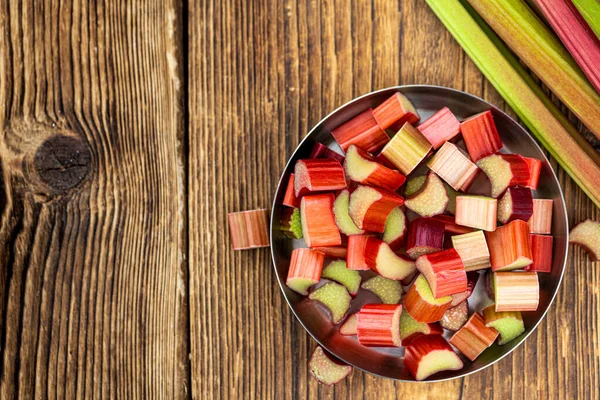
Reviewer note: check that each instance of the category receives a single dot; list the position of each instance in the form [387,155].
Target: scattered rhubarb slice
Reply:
[337,271]
[248,229]
[414,184]
[289,198]
[516,291]
[429,354]
[348,328]
[388,290]
[541,249]
[453,166]
[356,253]
[587,235]
[396,227]
[319,150]
[407,149]
[472,278]
[291,224]
[379,325]
[305,269]
[361,167]
[333,251]
[535,168]
[473,250]
[474,337]
[325,370]
[396,109]
[509,246]
[541,219]
[382,259]
[480,135]
[342,217]
[363,131]
[370,207]
[504,171]
[335,297]
[451,226]
[411,329]
[440,127]
[318,223]
[508,324]
[444,272]
[476,212]
[425,236]
[516,203]
[431,199]
[318,175]
[421,305]
[455,317]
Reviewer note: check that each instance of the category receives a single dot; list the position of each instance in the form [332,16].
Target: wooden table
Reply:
[129,131]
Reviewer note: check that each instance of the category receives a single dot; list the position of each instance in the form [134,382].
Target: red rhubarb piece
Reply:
[516,291]
[385,262]
[440,127]
[305,270]
[587,235]
[516,203]
[325,370]
[248,229]
[407,149]
[319,175]
[509,246]
[379,325]
[541,219]
[504,171]
[429,354]
[444,272]
[333,251]
[348,328]
[396,109]
[480,135]
[476,212]
[535,168]
[356,253]
[411,329]
[431,199]
[396,227]
[289,198]
[472,278]
[541,249]
[455,317]
[474,337]
[421,305]
[453,166]
[425,235]
[361,167]
[319,150]
[363,131]
[370,207]
[451,226]
[318,223]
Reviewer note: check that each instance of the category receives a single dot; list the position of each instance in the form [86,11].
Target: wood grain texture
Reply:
[261,74]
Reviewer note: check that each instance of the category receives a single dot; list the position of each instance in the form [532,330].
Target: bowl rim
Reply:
[433,87]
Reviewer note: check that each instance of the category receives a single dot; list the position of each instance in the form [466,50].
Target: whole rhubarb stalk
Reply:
[590,11]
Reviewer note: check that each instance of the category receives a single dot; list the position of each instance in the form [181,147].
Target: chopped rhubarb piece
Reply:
[361,167]
[325,370]
[396,227]
[318,175]
[431,199]
[289,198]
[425,235]
[587,235]
[305,270]
[407,149]
[355,259]
[455,317]
[535,168]
[333,251]
[248,229]
[440,127]
[541,249]
[444,272]
[385,262]
[516,291]
[453,166]
[396,108]
[337,271]
[370,207]
[411,329]
[342,217]
[291,224]
[414,184]
[335,297]
[363,131]
[509,324]
[517,203]
[474,337]
[379,325]
[388,291]
[451,226]
[318,223]
[476,212]
[429,354]
[509,246]
[319,150]
[421,305]
[473,250]
[541,219]
[348,328]
[472,278]
[480,135]
[504,171]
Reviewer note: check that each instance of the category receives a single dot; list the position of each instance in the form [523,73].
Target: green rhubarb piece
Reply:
[414,184]
[335,297]
[431,199]
[509,324]
[388,291]
[395,226]
[325,370]
[342,218]
[337,271]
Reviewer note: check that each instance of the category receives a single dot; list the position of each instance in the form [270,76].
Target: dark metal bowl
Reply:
[386,362]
